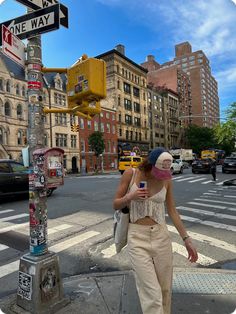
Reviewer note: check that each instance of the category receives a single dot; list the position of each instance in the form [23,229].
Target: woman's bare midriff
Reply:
[145,221]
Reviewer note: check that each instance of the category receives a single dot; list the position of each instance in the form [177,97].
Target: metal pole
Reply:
[39,283]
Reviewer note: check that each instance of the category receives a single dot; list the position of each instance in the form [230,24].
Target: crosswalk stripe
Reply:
[207,205]
[14,266]
[13,217]
[202,259]
[206,182]
[185,179]
[209,223]
[207,212]
[6,211]
[179,177]
[72,241]
[230,196]
[13,227]
[3,247]
[58,228]
[196,180]
[214,201]
[206,239]
[212,194]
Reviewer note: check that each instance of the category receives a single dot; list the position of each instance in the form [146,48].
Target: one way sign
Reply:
[40,4]
[35,23]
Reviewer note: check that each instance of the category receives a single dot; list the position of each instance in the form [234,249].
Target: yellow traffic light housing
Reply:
[86,84]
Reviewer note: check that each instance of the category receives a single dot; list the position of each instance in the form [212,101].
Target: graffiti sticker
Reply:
[25,286]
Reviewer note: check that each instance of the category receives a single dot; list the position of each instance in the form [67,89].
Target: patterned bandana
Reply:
[161,163]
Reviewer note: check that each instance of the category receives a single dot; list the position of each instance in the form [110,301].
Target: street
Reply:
[80,225]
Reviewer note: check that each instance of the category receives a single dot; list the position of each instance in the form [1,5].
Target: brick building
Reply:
[105,123]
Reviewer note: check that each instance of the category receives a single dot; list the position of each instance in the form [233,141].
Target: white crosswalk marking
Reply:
[207,205]
[3,247]
[196,180]
[209,240]
[214,201]
[184,179]
[6,211]
[202,259]
[14,266]
[206,182]
[13,227]
[13,217]
[58,228]
[206,212]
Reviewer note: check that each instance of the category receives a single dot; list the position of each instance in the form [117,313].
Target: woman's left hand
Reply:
[192,252]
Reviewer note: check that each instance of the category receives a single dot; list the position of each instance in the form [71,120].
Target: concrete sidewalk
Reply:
[195,291]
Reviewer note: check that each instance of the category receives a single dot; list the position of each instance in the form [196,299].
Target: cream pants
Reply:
[150,253]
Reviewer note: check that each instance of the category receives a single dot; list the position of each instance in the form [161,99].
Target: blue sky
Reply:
[144,27]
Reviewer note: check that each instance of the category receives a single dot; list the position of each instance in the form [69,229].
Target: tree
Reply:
[225,134]
[200,138]
[231,112]
[97,145]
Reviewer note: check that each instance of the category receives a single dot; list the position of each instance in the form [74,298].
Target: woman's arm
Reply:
[175,217]
[122,198]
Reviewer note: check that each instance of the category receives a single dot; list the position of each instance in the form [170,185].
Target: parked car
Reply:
[202,165]
[126,162]
[176,167]
[184,164]
[14,178]
[229,164]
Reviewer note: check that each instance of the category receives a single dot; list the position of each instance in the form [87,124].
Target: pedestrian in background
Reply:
[149,242]
[213,169]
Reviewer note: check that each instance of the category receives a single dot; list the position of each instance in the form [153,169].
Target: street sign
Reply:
[12,46]
[40,4]
[35,23]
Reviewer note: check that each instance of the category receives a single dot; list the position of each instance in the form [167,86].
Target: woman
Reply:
[149,241]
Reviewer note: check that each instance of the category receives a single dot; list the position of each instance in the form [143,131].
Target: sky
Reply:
[144,27]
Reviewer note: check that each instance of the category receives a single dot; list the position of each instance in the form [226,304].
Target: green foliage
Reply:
[225,134]
[231,112]
[96,143]
[199,138]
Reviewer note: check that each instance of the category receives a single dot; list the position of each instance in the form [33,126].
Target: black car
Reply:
[14,178]
[229,164]
[202,165]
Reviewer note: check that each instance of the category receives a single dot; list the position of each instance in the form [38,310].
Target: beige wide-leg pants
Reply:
[150,253]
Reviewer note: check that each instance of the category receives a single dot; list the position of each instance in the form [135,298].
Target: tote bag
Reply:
[121,224]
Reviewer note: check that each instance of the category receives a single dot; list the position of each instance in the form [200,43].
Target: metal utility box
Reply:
[48,169]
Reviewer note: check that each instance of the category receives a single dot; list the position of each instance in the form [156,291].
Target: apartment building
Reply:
[127,94]
[205,100]
[170,76]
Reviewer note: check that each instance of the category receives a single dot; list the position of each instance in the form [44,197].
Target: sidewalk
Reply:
[195,291]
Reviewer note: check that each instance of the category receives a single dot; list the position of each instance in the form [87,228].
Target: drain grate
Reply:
[204,283]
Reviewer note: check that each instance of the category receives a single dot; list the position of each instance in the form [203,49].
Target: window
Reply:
[8,86]
[17,89]
[82,145]
[60,119]
[4,168]
[107,115]
[136,91]
[119,117]
[113,117]
[118,100]
[127,134]
[118,84]
[23,93]
[73,140]
[128,105]
[20,137]
[1,136]
[192,62]
[95,126]
[199,60]
[113,129]
[7,109]
[81,123]
[89,124]
[19,111]
[136,107]
[127,88]
[102,127]
[128,119]
[46,139]
[1,84]
[61,140]
[137,121]
[120,132]
[108,128]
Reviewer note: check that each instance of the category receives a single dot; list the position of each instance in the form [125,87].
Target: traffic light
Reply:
[77,128]
[73,128]
[86,85]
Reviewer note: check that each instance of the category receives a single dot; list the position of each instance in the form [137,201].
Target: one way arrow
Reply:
[40,4]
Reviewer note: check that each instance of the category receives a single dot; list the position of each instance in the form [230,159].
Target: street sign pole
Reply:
[39,283]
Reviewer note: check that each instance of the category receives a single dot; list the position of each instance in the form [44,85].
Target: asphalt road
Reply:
[80,225]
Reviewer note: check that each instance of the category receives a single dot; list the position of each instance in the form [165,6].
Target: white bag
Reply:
[121,225]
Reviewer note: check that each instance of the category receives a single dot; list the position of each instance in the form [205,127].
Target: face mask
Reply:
[161,174]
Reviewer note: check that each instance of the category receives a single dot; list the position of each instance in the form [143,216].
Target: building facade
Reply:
[105,122]
[127,94]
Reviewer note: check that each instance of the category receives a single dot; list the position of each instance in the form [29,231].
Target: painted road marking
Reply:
[207,205]
[214,201]
[6,211]
[14,266]
[202,259]
[14,227]
[196,180]
[58,228]
[185,179]
[206,182]
[13,217]
[3,247]
[206,239]
[207,212]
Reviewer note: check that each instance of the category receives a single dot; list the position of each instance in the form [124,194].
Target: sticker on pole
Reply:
[12,46]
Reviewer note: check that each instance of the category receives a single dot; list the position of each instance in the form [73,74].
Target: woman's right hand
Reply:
[139,194]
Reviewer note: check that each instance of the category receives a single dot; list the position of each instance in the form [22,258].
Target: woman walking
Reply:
[149,243]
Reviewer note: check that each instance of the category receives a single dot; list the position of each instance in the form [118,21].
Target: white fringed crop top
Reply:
[152,206]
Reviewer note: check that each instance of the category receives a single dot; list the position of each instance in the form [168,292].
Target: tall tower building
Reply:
[204,89]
